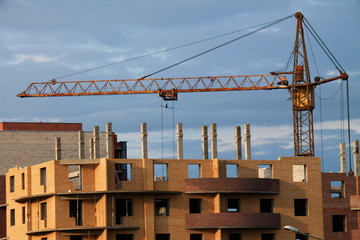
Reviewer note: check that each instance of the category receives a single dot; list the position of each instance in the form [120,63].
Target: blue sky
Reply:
[41,40]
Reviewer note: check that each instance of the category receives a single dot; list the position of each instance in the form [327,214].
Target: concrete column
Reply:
[81,144]
[247,142]
[342,158]
[96,142]
[109,141]
[213,141]
[356,158]
[57,148]
[238,150]
[204,141]
[91,148]
[180,145]
[144,143]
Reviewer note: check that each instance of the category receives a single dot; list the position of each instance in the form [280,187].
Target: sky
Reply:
[41,40]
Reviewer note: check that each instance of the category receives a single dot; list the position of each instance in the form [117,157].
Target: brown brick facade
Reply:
[39,126]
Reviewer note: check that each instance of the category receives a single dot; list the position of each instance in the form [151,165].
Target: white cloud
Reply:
[19,58]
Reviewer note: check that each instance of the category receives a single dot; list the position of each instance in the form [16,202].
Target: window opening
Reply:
[233,205]
[338,223]
[124,236]
[265,171]
[195,236]
[266,205]
[234,236]
[123,208]
[299,173]
[300,207]
[162,207]
[75,176]
[43,212]
[160,172]
[162,236]
[76,238]
[299,236]
[267,236]
[12,217]
[337,189]
[43,176]
[194,170]
[195,205]
[22,181]
[75,207]
[231,170]
[12,183]
[23,215]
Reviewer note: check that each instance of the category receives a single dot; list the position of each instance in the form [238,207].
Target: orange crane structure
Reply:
[301,89]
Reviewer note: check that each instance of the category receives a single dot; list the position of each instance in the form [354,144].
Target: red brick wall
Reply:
[40,126]
[339,206]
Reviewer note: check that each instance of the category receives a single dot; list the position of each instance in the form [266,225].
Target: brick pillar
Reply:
[109,141]
[204,141]
[96,142]
[238,150]
[179,132]
[213,141]
[57,148]
[81,144]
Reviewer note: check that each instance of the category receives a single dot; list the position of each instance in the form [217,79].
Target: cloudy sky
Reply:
[41,40]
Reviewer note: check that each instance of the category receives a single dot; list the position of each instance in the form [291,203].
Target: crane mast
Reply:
[301,89]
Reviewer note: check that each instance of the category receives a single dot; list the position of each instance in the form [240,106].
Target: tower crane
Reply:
[301,89]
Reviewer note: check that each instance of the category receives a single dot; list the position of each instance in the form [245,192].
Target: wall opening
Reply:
[162,207]
[123,208]
[267,236]
[338,223]
[194,205]
[337,189]
[160,172]
[195,236]
[124,237]
[43,176]
[300,207]
[266,205]
[75,211]
[234,236]
[299,173]
[194,171]
[265,171]
[12,183]
[233,205]
[162,237]
[231,170]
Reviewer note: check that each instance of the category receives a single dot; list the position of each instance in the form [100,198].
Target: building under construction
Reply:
[195,199]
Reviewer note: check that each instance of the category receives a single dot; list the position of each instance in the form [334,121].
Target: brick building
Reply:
[156,199]
[25,144]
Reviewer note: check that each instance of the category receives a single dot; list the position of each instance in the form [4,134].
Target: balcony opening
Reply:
[162,237]
[300,207]
[234,236]
[337,189]
[265,171]
[160,172]
[339,223]
[123,172]
[162,207]
[75,211]
[194,171]
[267,236]
[43,211]
[123,208]
[75,176]
[194,205]
[299,173]
[231,170]
[233,205]
[195,236]
[266,205]
[124,237]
